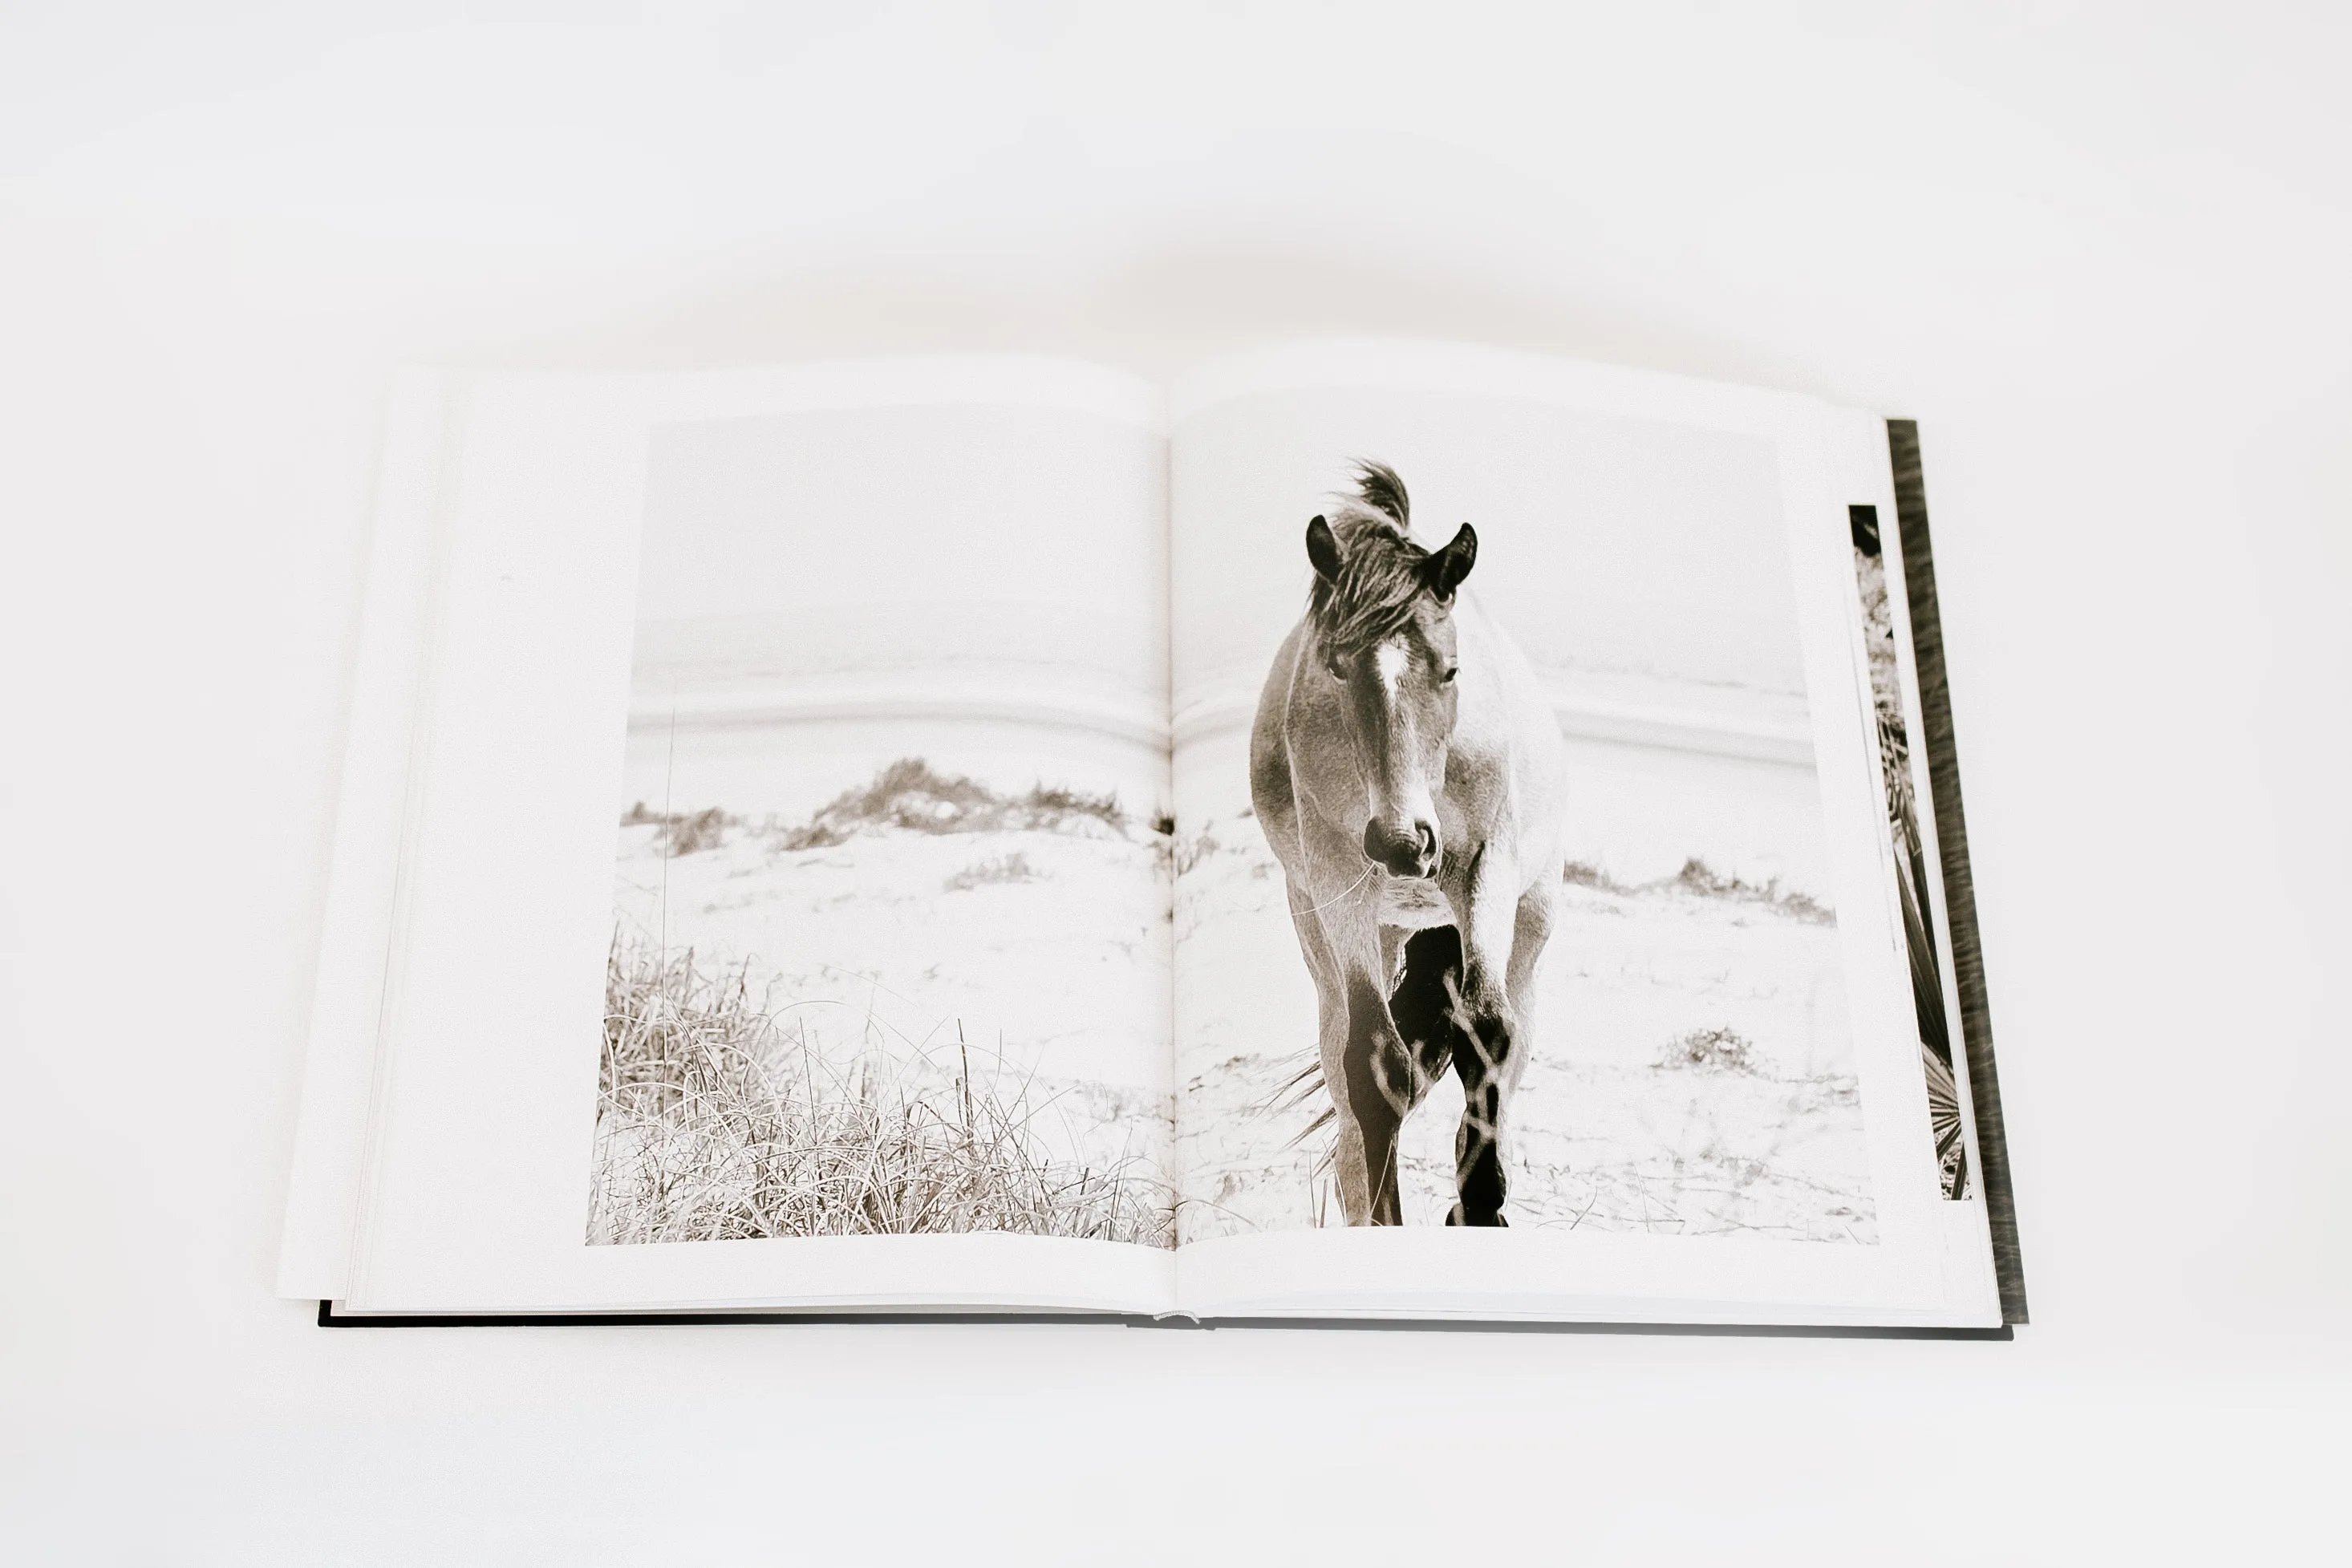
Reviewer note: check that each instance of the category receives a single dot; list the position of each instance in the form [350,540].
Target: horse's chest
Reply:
[1413,905]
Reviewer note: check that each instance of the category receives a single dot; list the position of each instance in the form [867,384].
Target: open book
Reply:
[1372,830]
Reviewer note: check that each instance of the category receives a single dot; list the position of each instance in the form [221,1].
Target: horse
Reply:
[1409,777]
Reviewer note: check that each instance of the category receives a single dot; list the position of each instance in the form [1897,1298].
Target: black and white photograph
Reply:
[1503,893]
[890,946]
[1938,1065]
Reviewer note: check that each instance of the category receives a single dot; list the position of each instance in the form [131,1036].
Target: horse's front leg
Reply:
[1332,1034]
[1368,1069]
[1490,1049]
[1381,1080]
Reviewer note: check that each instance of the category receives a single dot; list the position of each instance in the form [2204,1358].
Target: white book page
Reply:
[1718,1113]
[364,893]
[786,920]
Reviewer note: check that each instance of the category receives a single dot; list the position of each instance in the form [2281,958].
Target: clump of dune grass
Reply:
[1014,867]
[1186,855]
[683,832]
[1698,879]
[913,797]
[715,1122]
[1712,1050]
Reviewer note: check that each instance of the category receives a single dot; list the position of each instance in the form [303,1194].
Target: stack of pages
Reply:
[1371,830]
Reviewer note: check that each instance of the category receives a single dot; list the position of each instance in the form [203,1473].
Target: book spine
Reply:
[1959,896]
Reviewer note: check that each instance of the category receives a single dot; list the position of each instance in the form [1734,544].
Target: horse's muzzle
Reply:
[1412,853]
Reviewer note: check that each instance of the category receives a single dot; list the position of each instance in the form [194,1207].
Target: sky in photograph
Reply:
[1605,542]
[866,537]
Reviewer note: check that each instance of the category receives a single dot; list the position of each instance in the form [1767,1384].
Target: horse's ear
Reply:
[1446,568]
[1323,551]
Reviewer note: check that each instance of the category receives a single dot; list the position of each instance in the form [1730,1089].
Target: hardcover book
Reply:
[1369,829]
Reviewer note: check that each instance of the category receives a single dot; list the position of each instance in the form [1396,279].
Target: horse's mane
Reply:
[1381,575]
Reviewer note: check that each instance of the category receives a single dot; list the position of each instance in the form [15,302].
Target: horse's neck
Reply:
[1494,675]
[1504,716]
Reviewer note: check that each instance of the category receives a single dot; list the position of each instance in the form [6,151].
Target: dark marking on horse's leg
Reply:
[1381,1075]
[1423,1003]
[1480,1060]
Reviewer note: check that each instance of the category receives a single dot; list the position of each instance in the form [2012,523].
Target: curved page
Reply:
[1534,950]
[787,918]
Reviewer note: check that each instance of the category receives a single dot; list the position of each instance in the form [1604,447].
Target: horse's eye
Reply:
[1451,672]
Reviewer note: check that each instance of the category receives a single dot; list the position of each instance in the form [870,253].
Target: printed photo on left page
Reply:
[890,926]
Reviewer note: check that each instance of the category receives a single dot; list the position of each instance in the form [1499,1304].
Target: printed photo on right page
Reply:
[1505,890]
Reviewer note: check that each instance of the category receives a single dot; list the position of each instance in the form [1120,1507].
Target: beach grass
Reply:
[718,1118]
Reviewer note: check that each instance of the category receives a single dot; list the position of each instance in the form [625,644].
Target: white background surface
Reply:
[2098,252]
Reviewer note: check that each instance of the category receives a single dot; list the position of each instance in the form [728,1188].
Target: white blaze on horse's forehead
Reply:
[1390,659]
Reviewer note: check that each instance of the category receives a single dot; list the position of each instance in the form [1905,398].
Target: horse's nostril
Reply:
[1398,852]
[1406,850]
